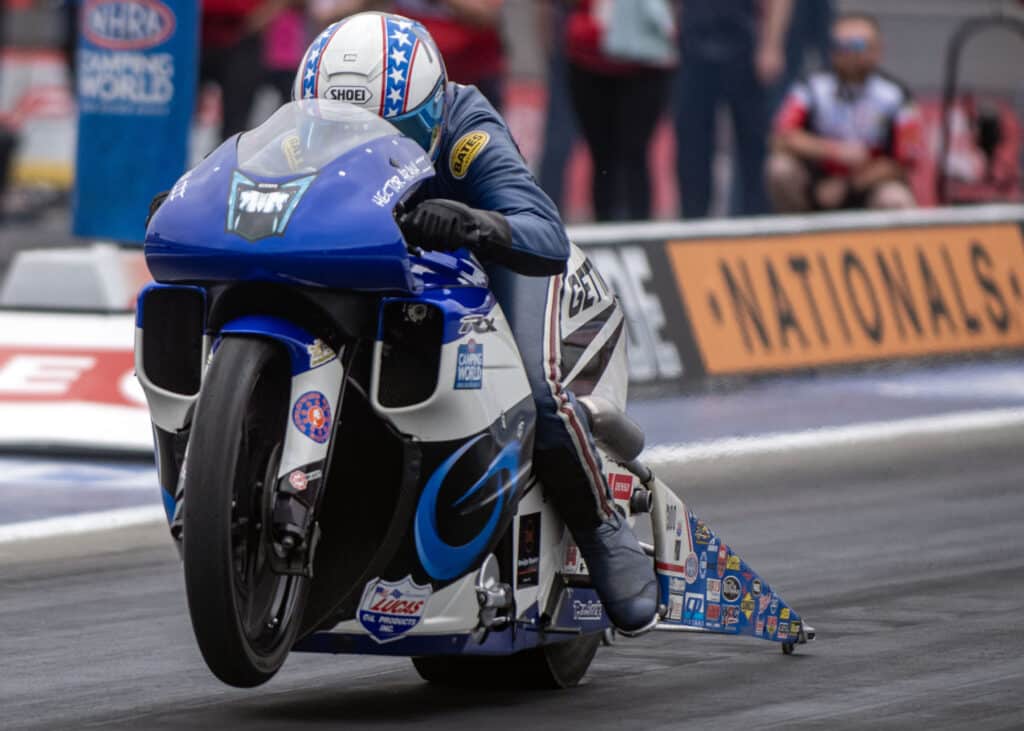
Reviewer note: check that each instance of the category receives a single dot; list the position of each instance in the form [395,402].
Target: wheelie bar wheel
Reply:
[806,634]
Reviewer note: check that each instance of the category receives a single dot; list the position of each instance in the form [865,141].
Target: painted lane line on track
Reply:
[837,436]
[41,473]
[781,443]
[82,523]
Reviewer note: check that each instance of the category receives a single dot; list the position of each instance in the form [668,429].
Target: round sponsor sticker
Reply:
[298,480]
[312,416]
[730,588]
[691,568]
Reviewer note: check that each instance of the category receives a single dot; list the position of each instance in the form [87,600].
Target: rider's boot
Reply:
[621,573]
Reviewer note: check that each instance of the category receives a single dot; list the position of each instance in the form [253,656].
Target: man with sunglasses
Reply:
[847,137]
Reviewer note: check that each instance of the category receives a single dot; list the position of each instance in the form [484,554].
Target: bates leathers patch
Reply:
[465,151]
[389,609]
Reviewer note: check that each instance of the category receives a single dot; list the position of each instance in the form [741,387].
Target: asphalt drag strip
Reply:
[907,559]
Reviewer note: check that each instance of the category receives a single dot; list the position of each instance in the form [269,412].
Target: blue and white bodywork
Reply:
[410,422]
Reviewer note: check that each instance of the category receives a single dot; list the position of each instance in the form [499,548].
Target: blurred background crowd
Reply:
[625,109]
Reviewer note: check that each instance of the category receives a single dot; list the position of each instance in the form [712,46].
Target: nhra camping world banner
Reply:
[136,68]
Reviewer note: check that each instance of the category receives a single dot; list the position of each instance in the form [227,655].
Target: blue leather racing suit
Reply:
[480,165]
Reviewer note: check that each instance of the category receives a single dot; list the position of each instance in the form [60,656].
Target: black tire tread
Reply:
[212,459]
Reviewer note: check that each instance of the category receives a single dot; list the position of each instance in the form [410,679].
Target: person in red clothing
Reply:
[284,43]
[467,33]
[231,54]
[619,92]
[845,138]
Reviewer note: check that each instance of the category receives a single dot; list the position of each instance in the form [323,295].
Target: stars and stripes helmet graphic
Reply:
[382,62]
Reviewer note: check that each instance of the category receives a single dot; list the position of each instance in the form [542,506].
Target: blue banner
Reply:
[137,68]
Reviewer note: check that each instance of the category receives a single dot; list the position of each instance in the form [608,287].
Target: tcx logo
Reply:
[478,324]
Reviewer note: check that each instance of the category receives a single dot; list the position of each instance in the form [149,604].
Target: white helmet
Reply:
[385,63]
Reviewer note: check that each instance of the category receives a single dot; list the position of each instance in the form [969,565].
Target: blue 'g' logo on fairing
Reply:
[442,560]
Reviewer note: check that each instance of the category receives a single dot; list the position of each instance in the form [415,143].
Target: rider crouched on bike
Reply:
[485,198]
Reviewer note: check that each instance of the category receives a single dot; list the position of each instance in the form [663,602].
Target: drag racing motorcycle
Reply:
[344,429]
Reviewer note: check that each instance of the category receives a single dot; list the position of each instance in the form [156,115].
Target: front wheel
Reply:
[245,617]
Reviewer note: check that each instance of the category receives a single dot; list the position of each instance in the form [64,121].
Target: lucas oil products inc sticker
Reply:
[469,366]
[389,609]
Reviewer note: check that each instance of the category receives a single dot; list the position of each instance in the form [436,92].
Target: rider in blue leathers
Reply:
[485,198]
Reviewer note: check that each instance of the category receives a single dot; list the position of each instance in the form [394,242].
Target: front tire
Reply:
[245,617]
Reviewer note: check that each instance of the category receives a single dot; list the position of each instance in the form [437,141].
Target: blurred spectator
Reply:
[8,137]
[810,31]
[284,42]
[560,128]
[620,55]
[731,53]
[846,138]
[231,54]
[69,12]
[467,33]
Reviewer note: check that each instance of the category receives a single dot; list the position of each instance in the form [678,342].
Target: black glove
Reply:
[446,225]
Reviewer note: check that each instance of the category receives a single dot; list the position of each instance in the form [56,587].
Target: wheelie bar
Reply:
[674,550]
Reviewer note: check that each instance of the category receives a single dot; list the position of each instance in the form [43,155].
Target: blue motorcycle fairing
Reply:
[297,340]
[340,231]
[443,269]
[456,304]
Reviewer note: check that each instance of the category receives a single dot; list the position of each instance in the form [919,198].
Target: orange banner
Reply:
[785,302]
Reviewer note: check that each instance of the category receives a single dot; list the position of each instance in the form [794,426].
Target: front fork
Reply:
[313,418]
[296,481]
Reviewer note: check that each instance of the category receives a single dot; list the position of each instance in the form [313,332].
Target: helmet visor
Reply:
[423,124]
